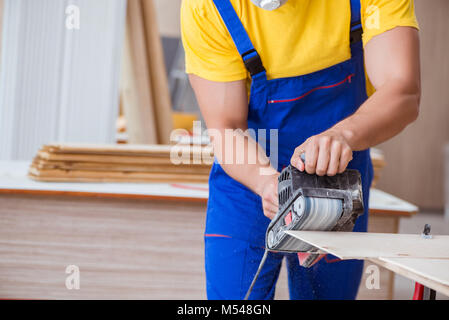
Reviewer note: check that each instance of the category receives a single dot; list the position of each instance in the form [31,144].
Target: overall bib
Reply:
[298,107]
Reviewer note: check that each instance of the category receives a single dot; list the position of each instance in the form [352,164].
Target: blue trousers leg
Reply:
[324,281]
[231,265]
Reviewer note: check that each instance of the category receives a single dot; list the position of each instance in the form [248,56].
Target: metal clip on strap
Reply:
[253,64]
[356,33]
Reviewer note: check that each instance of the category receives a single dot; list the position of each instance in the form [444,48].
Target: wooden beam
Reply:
[158,73]
[135,83]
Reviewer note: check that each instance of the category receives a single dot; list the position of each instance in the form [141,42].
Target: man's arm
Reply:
[393,67]
[224,106]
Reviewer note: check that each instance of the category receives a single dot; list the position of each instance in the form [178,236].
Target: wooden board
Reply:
[157,73]
[362,245]
[94,166]
[433,269]
[102,158]
[433,273]
[120,159]
[157,179]
[145,149]
[135,81]
[134,150]
[79,175]
[127,149]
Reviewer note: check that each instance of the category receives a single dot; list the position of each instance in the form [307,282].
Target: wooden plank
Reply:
[145,149]
[135,81]
[78,175]
[158,73]
[167,179]
[433,269]
[45,156]
[169,17]
[432,273]
[125,149]
[93,166]
[103,158]
[363,245]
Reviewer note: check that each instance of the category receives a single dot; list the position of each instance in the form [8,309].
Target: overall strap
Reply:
[250,57]
[356,22]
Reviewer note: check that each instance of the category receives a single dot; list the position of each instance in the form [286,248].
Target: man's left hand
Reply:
[326,154]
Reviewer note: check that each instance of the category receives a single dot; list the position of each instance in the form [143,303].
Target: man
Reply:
[310,70]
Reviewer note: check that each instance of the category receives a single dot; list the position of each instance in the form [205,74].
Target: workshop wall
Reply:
[415,158]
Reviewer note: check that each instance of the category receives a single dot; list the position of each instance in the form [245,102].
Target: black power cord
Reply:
[262,262]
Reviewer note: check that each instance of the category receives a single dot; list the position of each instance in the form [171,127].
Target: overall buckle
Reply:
[356,33]
[253,64]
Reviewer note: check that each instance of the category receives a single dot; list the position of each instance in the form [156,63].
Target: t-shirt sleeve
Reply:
[379,16]
[210,52]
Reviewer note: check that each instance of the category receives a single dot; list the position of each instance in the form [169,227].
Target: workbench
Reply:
[129,240]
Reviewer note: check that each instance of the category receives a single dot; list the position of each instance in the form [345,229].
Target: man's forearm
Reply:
[385,114]
[243,159]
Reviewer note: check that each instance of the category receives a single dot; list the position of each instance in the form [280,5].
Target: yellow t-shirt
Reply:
[300,37]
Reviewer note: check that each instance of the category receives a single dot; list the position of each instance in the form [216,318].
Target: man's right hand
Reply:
[269,195]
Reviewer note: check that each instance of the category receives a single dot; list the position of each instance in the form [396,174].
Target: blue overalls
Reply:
[298,107]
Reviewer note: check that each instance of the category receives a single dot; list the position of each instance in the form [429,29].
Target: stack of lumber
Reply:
[132,163]
[121,163]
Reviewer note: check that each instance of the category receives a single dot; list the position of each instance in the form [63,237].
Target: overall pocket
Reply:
[347,79]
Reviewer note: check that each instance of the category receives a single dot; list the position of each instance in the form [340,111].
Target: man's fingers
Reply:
[311,155]
[270,215]
[334,161]
[346,156]
[270,201]
[273,194]
[323,156]
[275,199]
[270,207]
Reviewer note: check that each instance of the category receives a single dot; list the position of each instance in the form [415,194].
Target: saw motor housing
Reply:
[312,202]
